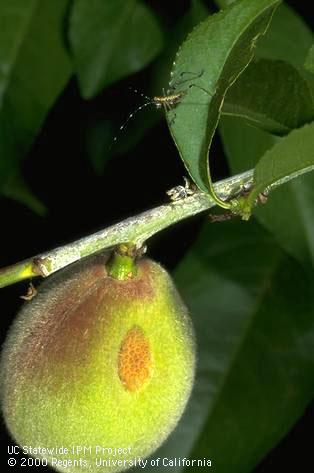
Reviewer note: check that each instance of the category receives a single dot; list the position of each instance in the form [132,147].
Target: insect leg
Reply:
[202,88]
[196,75]
[193,75]
[173,119]
[168,107]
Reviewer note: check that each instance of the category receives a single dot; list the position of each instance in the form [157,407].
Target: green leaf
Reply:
[271,95]
[17,189]
[244,145]
[309,61]
[252,307]
[290,158]
[223,3]
[198,12]
[212,57]
[34,69]
[288,38]
[289,213]
[110,40]
[160,71]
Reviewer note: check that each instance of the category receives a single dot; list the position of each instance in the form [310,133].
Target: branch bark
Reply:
[136,230]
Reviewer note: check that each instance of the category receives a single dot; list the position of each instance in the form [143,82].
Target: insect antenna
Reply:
[131,115]
[168,100]
[140,93]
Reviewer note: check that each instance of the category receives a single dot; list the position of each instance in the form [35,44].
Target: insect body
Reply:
[168,100]
[181,192]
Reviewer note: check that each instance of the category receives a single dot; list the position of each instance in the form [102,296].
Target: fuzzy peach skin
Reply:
[95,361]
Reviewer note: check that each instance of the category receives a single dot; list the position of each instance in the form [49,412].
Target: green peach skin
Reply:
[60,384]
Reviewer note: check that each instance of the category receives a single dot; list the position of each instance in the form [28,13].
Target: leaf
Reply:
[110,40]
[198,12]
[289,212]
[271,95]
[288,38]
[244,144]
[290,158]
[34,69]
[17,189]
[212,57]
[309,61]
[175,36]
[252,307]
[224,3]
[160,71]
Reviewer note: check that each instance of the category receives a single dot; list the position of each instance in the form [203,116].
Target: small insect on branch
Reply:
[181,192]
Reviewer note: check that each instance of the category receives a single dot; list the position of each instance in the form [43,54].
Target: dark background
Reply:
[81,202]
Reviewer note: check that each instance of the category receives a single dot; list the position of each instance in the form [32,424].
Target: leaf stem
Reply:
[218,201]
[135,230]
